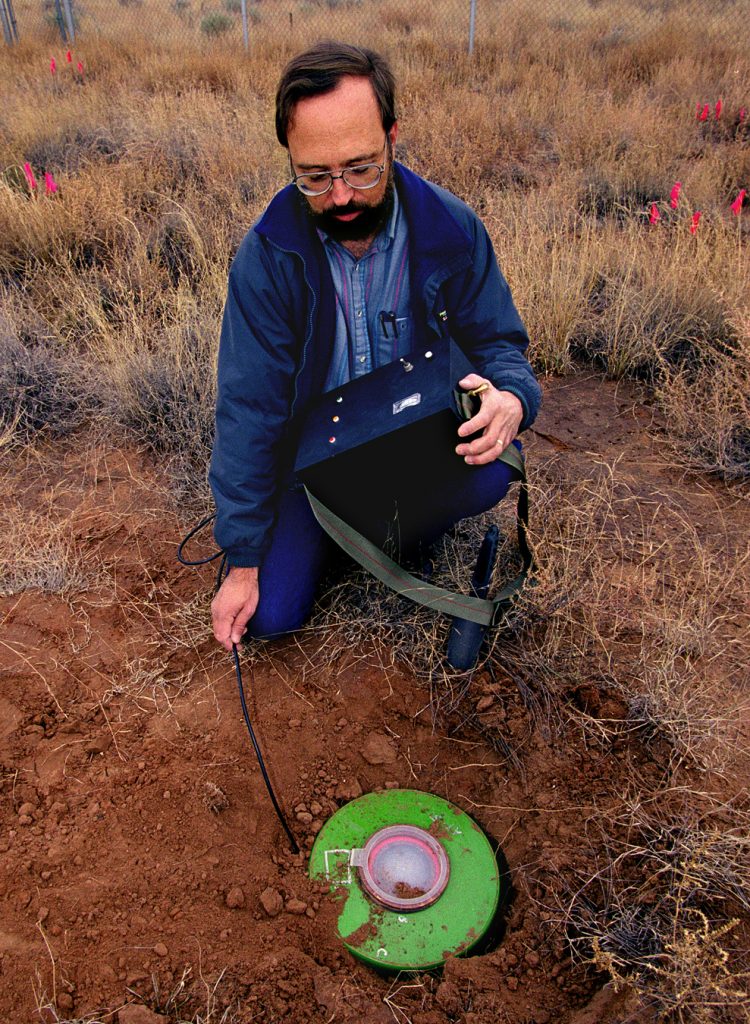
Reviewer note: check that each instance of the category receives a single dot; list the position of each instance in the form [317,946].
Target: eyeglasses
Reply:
[361,177]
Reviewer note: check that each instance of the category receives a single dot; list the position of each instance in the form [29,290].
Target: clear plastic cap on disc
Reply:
[403,867]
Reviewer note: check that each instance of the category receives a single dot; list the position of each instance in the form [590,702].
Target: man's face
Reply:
[334,131]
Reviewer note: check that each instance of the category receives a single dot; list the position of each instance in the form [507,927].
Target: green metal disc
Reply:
[419,939]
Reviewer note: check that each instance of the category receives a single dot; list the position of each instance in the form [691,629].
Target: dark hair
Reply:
[321,68]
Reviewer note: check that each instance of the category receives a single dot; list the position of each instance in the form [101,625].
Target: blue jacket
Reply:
[278,330]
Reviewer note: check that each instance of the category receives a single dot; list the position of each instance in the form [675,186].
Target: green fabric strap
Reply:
[372,558]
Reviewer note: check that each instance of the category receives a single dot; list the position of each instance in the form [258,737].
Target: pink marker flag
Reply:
[52,65]
[743,114]
[717,109]
[674,195]
[50,185]
[736,206]
[695,220]
[69,57]
[79,68]
[29,176]
[654,216]
[703,116]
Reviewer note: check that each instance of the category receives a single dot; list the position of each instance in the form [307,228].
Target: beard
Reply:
[371,219]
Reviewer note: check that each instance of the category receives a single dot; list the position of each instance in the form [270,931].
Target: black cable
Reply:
[197,529]
[264,773]
[237,670]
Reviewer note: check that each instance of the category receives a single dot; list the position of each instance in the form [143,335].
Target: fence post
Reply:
[60,21]
[67,5]
[472,24]
[245,33]
[10,30]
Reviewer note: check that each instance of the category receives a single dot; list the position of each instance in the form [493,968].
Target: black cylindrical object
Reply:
[465,638]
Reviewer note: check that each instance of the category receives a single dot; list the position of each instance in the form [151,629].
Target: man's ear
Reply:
[393,133]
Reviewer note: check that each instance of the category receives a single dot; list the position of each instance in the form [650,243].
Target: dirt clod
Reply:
[295,906]
[235,898]
[99,745]
[606,1006]
[272,901]
[136,1014]
[379,749]
[348,790]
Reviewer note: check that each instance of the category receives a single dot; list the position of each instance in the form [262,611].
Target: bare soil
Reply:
[137,839]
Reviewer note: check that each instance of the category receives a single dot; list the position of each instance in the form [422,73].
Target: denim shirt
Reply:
[279,327]
[373,321]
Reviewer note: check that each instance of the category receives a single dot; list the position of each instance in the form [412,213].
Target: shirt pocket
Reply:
[403,326]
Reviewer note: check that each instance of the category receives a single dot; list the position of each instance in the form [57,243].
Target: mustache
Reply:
[336,211]
[369,222]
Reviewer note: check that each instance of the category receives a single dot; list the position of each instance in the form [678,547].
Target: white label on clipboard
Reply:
[406,403]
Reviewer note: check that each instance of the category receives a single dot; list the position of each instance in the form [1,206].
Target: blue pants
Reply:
[418,514]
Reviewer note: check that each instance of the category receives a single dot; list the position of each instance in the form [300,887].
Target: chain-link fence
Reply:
[256,23]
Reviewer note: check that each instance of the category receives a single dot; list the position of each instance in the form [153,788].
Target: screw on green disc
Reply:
[422,938]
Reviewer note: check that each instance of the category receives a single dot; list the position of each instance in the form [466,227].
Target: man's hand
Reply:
[499,419]
[235,605]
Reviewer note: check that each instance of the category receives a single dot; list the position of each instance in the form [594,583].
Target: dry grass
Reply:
[708,406]
[651,302]
[41,553]
[662,913]
[163,164]
[631,598]
[146,686]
